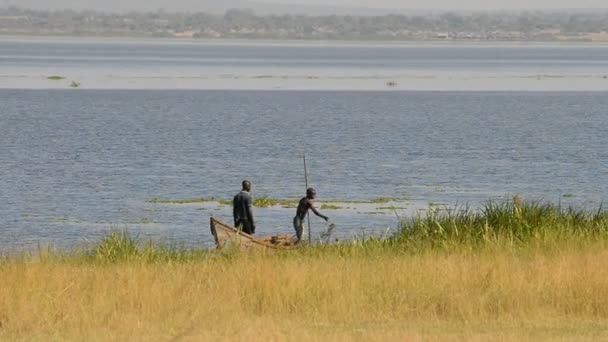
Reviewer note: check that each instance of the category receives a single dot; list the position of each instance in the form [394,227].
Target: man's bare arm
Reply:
[314,210]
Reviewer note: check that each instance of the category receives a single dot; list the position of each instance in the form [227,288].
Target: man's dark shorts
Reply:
[298,225]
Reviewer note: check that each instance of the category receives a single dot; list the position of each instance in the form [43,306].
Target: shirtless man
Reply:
[305,204]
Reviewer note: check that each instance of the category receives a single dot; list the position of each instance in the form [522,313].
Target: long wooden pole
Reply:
[307,213]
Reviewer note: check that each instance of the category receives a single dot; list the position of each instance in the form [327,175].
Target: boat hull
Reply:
[227,237]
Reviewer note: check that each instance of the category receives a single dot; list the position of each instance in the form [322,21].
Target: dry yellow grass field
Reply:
[493,293]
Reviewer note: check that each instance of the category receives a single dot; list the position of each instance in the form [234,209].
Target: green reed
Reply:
[507,222]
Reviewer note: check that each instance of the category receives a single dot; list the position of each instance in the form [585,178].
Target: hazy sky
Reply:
[455,4]
[202,5]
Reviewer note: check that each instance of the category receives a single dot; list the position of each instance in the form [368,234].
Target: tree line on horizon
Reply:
[243,23]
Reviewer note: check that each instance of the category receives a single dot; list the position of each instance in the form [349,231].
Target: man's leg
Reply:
[248,228]
[297,225]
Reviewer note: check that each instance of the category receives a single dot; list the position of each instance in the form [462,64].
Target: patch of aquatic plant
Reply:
[569,196]
[515,223]
[265,202]
[74,84]
[56,78]
[392,208]
[273,202]
[257,202]
[290,205]
[191,201]
[348,201]
[379,200]
[330,207]
[386,200]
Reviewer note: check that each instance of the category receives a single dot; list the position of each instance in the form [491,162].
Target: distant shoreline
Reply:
[321,42]
[240,23]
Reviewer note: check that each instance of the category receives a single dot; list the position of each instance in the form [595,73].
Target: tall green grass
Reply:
[509,223]
[121,246]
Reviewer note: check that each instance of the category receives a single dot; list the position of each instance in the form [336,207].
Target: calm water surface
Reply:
[76,163]
[131,64]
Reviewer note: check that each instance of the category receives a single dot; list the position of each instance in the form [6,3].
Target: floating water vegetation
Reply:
[144,220]
[387,200]
[392,207]
[379,200]
[265,202]
[330,207]
[569,195]
[74,84]
[56,78]
[273,202]
[191,201]
[258,202]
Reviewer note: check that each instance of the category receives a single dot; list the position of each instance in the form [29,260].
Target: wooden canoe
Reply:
[228,237]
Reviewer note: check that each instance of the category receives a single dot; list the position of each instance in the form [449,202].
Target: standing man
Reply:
[305,204]
[243,210]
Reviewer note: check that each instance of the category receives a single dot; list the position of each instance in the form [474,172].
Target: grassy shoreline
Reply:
[507,272]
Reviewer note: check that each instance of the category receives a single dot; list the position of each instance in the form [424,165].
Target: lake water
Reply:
[76,163]
[157,64]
